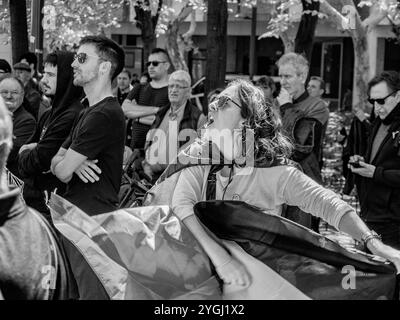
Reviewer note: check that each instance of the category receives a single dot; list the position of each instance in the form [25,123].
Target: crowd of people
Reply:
[71,133]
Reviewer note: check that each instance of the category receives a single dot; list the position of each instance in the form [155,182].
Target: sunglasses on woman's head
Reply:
[154,63]
[83,57]
[380,101]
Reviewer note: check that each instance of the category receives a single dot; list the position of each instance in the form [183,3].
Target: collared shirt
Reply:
[165,148]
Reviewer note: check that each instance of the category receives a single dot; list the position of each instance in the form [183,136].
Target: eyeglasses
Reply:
[154,63]
[6,93]
[83,56]
[380,101]
[220,102]
[176,86]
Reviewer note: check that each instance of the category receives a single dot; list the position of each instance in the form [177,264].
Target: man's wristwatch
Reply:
[369,235]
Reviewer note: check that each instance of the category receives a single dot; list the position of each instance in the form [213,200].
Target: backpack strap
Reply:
[212,181]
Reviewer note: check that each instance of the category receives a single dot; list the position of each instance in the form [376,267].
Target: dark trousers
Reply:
[390,232]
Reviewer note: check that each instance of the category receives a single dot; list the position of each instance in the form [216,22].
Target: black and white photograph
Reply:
[200,156]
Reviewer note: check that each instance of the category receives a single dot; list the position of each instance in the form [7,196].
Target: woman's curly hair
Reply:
[270,142]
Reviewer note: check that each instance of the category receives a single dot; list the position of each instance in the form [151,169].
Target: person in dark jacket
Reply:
[379,167]
[24,73]
[32,263]
[52,130]
[12,91]
[305,119]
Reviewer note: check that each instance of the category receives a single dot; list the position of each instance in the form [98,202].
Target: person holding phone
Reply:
[379,167]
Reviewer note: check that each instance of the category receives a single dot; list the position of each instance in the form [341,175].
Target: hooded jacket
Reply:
[53,128]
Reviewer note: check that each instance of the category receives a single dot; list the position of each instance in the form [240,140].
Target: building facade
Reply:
[332,57]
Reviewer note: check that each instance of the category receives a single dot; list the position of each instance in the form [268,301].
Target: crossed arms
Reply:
[145,114]
[67,162]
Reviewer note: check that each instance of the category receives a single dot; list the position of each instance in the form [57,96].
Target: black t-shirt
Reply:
[145,95]
[99,133]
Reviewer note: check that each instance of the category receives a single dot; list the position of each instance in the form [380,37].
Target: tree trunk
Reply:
[361,70]
[305,33]
[37,31]
[147,24]
[217,20]
[361,55]
[175,54]
[175,43]
[252,53]
[288,41]
[19,29]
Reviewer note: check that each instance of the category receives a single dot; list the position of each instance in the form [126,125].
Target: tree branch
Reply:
[377,14]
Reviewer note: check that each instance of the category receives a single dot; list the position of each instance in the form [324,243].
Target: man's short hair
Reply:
[127,72]
[181,75]
[108,50]
[161,51]
[10,76]
[51,59]
[320,80]
[392,79]
[298,61]
[31,58]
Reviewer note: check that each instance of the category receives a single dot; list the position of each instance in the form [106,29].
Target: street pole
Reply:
[36,39]
[253,54]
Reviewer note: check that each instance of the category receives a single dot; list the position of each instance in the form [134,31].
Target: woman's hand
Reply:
[378,248]
[233,272]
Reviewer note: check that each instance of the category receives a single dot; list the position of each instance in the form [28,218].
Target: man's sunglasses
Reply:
[154,63]
[221,101]
[83,57]
[380,101]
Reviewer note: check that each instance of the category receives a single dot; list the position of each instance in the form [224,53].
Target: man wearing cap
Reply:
[175,125]
[24,73]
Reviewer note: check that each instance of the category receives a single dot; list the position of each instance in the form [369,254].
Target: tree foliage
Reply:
[65,22]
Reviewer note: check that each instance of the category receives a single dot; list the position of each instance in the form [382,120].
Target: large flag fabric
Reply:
[138,253]
[146,253]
